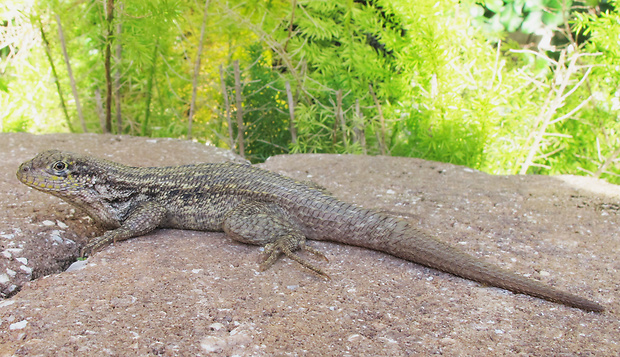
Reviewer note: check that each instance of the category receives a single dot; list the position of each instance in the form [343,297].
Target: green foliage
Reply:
[597,139]
[450,114]
[346,47]
[264,106]
[436,80]
[528,16]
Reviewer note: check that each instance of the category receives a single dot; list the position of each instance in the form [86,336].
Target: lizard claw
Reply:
[282,246]
[96,244]
[88,250]
[315,251]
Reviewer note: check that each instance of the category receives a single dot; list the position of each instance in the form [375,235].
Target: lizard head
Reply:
[56,172]
[78,179]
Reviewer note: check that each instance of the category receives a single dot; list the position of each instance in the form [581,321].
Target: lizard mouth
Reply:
[28,177]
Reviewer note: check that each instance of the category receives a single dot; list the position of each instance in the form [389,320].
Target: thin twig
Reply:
[192,106]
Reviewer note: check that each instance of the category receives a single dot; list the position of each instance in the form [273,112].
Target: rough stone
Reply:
[183,293]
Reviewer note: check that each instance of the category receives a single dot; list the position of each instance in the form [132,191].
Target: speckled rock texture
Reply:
[184,293]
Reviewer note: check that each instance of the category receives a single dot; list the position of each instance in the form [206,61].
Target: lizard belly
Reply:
[201,214]
[207,221]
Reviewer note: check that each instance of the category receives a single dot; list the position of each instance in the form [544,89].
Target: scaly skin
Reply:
[253,206]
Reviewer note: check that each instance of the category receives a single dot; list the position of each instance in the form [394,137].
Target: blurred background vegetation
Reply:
[503,86]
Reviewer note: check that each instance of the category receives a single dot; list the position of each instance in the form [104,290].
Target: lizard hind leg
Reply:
[283,245]
[266,224]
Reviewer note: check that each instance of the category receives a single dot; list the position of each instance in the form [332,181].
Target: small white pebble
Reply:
[22,260]
[7,254]
[353,337]
[18,325]
[4,279]
[388,340]
[292,287]
[48,223]
[62,225]
[7,303]
[25,269]
[7,236]
[390,192]
[216,326]
[10,272]
[544,273]
[212,344]
[196,271]
[77,265]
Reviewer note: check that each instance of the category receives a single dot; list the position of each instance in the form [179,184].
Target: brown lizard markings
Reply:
[253,206]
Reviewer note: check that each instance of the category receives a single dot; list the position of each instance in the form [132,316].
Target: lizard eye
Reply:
[59,166]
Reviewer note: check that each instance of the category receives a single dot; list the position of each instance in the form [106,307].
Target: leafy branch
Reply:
[556,98]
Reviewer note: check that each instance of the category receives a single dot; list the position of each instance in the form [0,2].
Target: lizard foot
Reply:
[283,246]
[96,244]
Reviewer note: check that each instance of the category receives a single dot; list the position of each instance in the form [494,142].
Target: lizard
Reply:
[253,206]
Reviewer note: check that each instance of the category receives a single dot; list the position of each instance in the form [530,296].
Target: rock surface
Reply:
[184,293]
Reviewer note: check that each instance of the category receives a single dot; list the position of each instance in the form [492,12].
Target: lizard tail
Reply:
[400,239]
[419,247]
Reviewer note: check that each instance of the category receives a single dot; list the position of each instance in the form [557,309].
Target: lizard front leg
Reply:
[266,224]
[142,220]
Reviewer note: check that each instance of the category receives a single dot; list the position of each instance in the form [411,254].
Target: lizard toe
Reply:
[283,246]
